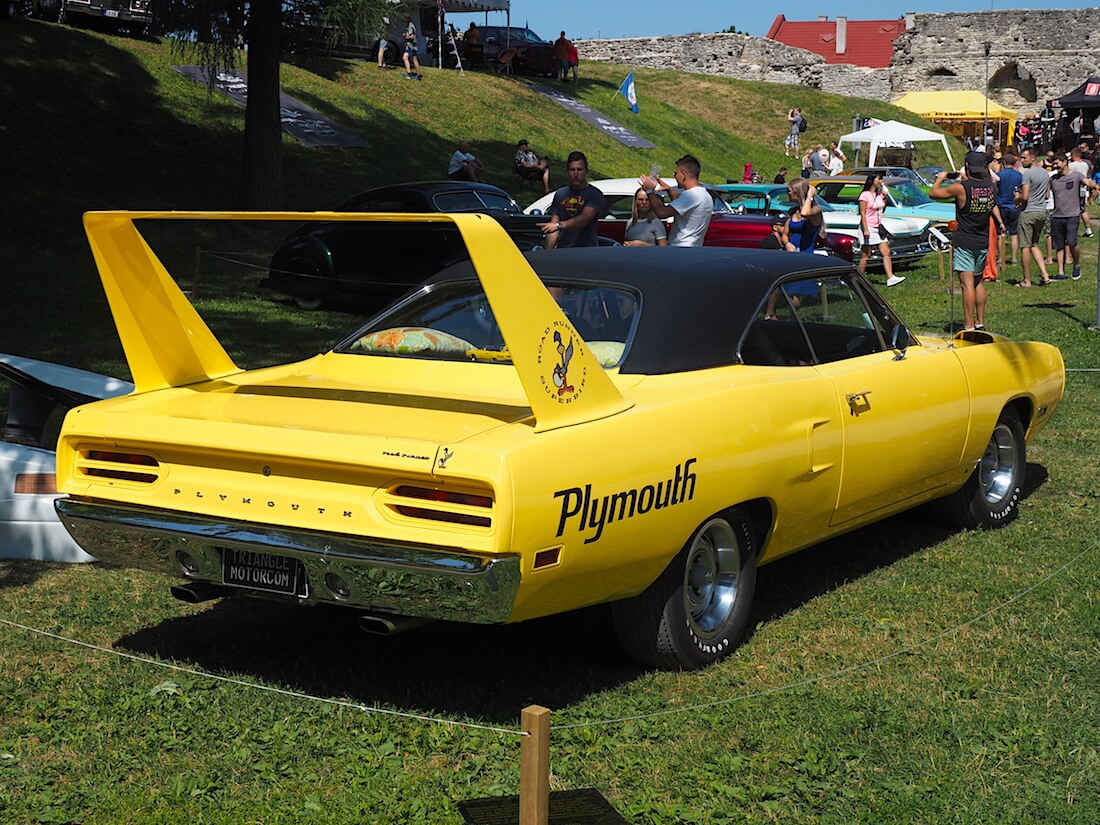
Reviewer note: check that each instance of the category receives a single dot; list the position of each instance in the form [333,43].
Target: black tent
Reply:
[1085,96]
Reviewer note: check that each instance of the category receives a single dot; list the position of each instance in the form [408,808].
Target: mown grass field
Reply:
[905,673]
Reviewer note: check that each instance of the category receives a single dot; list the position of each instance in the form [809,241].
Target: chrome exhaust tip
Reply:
[379,624]
[196,592]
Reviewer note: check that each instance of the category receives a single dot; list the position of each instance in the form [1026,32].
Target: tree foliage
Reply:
[223,34]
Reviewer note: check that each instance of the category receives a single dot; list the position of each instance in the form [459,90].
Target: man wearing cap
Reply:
[1066,186]
[530,166]
[1032,202]
[975,204]
[777,239]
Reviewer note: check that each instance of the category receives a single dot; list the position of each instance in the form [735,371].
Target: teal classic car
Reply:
[904,199]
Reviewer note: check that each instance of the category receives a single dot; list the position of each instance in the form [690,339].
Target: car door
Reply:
[904,418]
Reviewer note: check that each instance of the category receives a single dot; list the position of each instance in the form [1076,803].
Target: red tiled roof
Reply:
[869,42]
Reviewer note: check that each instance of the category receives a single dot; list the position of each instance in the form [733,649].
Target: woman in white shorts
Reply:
[872,203]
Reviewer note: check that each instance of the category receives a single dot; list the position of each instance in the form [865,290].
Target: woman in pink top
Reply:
[872,203]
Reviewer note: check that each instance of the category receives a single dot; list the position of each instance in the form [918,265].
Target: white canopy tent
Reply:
[893,133]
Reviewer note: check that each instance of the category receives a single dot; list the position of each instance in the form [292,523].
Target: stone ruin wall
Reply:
[1034,55]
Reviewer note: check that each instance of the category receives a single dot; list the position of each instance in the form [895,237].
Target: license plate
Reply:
[111,12]
[261,571]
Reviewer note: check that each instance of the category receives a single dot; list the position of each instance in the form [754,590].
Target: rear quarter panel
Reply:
[620,497]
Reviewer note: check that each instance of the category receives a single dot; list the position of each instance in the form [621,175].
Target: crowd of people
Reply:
[573,215]
[1031,205]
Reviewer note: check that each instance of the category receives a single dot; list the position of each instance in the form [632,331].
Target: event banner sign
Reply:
[591,116]
[302,123]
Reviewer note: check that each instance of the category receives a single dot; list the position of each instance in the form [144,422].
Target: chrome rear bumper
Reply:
[411,580]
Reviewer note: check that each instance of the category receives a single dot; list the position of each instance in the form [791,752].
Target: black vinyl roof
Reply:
[696,303]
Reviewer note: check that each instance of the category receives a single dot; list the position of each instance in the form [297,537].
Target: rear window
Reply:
[453,321]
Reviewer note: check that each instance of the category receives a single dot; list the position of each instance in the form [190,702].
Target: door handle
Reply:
[858,403]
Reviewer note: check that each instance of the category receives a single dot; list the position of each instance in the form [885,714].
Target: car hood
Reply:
[930,211]
[849,222]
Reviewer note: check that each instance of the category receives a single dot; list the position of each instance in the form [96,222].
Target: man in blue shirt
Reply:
[1007,188]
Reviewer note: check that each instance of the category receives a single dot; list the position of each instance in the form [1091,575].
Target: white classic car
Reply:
[39,395]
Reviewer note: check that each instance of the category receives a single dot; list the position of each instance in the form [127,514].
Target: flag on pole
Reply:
[627,91]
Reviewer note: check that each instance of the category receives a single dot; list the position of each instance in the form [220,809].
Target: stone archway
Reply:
[1014,76]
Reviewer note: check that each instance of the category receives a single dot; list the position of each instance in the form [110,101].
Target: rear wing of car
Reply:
[167,344]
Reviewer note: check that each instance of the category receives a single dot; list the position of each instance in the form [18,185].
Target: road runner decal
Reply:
[595,513]
[557,348]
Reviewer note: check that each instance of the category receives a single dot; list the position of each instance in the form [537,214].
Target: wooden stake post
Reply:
[534,767]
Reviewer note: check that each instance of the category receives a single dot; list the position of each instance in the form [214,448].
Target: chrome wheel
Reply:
[998,467]
[991,495]
[711,578]
[698,610]
[307,303]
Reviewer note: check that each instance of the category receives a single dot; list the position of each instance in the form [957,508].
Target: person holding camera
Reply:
[794,119]
[975,199]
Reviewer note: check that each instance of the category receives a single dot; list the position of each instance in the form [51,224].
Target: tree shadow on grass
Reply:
[20,572]
[487,672]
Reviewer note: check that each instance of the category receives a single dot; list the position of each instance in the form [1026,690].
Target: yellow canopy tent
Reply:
[961,113]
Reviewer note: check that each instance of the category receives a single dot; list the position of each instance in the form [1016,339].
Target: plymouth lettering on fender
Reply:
[595,513]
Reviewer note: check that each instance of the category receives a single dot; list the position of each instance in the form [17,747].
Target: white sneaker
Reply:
[894,280]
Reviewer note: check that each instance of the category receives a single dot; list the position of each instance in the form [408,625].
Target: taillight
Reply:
[39,484]
[444,495]
[443,505]
[116,465]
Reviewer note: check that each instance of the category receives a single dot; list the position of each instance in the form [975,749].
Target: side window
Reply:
[461,201]
[883,316]
[775,338]
[838,322]
[394,203]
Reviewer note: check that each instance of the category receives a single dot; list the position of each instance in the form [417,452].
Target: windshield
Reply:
[908,194]
[453,321]
[781,199]
[471,201]
[514,34]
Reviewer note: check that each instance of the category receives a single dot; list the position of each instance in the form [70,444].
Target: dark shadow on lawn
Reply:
[790,582]
[19,572]
[487,672]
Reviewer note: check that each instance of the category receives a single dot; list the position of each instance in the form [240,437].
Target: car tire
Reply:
[311,297]
[991,496]
[697,611]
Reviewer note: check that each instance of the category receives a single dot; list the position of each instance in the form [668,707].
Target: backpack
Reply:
[802,124]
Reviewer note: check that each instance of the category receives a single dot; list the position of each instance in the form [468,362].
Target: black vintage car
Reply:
[371,264]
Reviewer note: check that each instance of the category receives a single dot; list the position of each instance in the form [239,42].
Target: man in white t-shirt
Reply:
[690,206]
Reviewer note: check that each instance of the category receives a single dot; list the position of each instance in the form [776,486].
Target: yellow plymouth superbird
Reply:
[526,435]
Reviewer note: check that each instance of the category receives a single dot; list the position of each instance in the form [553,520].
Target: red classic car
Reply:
[727,228]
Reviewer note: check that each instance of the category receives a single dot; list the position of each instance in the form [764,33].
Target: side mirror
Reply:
[535,212]
[899,341]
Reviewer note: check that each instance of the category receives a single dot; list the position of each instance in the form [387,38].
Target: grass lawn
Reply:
[904,673]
